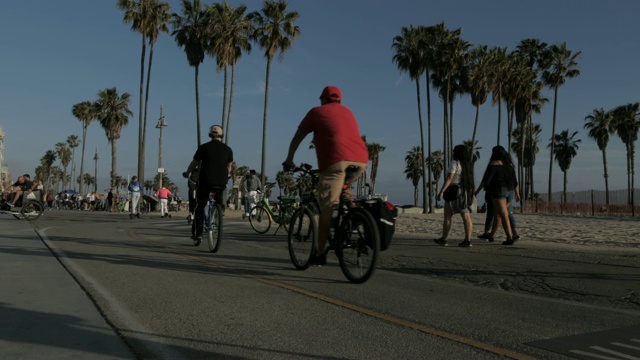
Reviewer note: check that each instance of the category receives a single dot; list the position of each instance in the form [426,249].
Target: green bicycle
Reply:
[262,215]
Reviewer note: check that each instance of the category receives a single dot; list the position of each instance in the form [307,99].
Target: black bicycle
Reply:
[354,236]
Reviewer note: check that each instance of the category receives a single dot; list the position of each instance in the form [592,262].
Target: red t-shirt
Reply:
[336,136]
[163,193]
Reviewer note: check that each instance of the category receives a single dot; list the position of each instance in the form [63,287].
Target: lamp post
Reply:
[161,124]
[95,174]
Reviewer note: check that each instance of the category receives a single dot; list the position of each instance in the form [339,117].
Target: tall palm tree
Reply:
[478,81]
[73,142]
[274,31]
[562,66]
[600,125]
[564,148]
[84,112]
[435,161]
[626,121]
[499,66]
[113,113]
[374,155]
[64,154]
[149,18]
[526,151]
[231,40]
[413,170]
[190,31]
[408,56]
[47,161]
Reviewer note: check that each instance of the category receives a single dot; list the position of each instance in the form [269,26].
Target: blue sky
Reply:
[58,53]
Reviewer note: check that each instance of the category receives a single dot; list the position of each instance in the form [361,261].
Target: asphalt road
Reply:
[164,298]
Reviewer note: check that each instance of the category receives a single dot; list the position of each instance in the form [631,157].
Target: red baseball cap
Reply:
[331,93]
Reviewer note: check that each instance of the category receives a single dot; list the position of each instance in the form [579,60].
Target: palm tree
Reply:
[374,155]
[626,121]
[414,168]
[499,66]
[408,56]
[564,148]
[526,151]
[84,112]
[562,66]
[113,113]
[190,31]
[64,154]
[600,125]
[47,162]
[73,142]
[148,185]
[148,17]
[478,81]
[231,40]
[435,161]
[274,31]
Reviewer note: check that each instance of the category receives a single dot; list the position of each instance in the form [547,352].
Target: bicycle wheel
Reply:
[260,219]
[302,237]
[31,210]
[215,229]
[358,245]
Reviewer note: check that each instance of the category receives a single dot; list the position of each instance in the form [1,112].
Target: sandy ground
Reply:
[559,229]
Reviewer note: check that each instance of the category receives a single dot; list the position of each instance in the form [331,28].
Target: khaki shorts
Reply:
[330,182]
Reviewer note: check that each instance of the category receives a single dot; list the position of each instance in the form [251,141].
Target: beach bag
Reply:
[452,192]
[385,214]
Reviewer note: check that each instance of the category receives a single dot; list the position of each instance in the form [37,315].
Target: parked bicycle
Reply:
[212,222]
[262,215]
[354,236]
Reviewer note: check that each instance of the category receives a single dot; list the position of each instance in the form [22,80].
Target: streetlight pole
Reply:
[161,124]
[95,175]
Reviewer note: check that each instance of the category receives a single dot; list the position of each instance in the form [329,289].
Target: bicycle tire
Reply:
[260,219]
[31,210]
[358,246]
[302,237]
[215,229]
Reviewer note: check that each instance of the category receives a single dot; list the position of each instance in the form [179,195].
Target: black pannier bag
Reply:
[385,214]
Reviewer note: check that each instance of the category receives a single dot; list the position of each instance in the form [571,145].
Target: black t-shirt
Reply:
[215,157]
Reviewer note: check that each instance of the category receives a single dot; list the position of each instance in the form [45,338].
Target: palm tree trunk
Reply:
[429,140]
[264,123]
[564,191]
[144,124]
[233,80]
[423,165]
[114,158]
[374,173]
[415,196]
[475,126]
[633,155]
[224,98]
[197,103]
[553,133]
[499,114]
[84,141]
[606,177]
[141,112]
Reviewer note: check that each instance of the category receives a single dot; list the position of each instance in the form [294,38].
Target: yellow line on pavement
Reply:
[378,315]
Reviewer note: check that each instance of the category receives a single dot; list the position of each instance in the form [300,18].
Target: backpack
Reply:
[385,214]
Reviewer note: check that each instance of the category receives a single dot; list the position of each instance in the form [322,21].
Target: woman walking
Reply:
[501,184]
[459,183]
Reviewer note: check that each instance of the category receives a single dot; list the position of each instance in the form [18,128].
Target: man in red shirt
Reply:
[163,194]
[338,144]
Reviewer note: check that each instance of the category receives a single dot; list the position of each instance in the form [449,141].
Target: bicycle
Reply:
[353,236]
[212,222]
[262,215]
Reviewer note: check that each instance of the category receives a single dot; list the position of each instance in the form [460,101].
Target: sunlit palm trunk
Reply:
[264,123]
[141,112]
[197,69]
